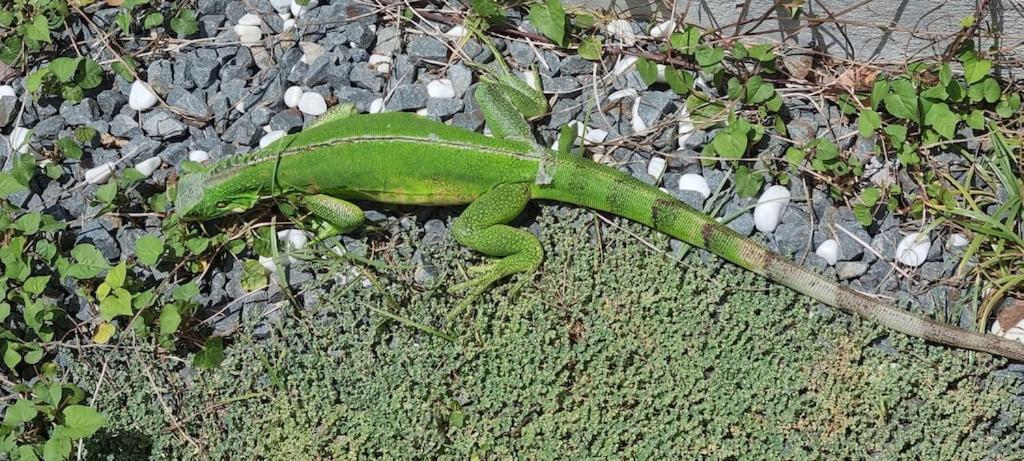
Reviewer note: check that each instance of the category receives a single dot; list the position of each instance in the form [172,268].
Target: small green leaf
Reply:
[748,183]
[730,143]
[549,19]
[901,102]
[680,81]
[124,68]
[170,319]
[758,91]
[184,23]
[89,262]
[583,20]
[82,421]
[9,185]
[878,92]
[687,40]
[648,71]
[863,214]
[976,69]
[868,122]
[89,75]
[154,19]
[38,29]
[990,90]
[106,193]
[63,68]
[56,449]
[591,48]
[870,196]
[945,75]
[254,275]
[185,292]
[211,356]
[22,411]
[116,275]
[942,120]
[69,148]
[28,223]
[116,304]
[708,56]
[148,249]
[124,21]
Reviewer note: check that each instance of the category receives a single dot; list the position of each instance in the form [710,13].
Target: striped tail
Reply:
[581,182]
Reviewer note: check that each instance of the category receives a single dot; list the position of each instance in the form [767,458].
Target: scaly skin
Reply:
[406,159]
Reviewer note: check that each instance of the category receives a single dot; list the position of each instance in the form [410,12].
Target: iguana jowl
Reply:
[403,158]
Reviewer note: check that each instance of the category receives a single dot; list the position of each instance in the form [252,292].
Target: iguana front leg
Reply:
[482,228]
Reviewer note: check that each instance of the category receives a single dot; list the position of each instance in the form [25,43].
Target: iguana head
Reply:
[201,196]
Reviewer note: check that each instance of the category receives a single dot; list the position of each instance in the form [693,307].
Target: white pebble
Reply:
[312,103]
[1014,332]
[141,96]
[298,10]
[20,139]
[696,183]
[663,30]
[148,166]
[441,88]
[292,96]
[532,79]
[622,29]
[249,19]
[913,249]
[422,112]
[198,156]
[455,33]
[958,240]
[7,90]
[624,65]
[268,264]
[661,73]
[376,106]
[829,251]
[771,204]
[285,16]
[289,24]
[269,138]
[99,174]
[380,63]
[248,35]
[589,135]
[636,121]
[686,129]
[282,6]
[656,167]
[622,94]
[292,240]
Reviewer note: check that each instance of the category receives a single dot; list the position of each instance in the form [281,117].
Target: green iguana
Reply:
[403,158]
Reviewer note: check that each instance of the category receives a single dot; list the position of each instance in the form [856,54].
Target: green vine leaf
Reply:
[942,120]
[549,19]
[901,102]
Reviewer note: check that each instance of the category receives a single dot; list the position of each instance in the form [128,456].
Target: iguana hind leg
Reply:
[342,215]
[482,228]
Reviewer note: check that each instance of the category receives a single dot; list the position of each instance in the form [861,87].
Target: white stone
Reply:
[249,19]
[661,73]
[589,135]
[268,263]
[298,10]
[636,121]
[771,204]
[532,79]
[269,138]
[622,94]
[686,128]
[441,88]
[20,139]
[292,240]
[380,63]
[829,251]
[141,96]
[1014,332]
[289,24]
[248,35]
[282,6]
[312,103]
[622,29]
[663,30]
[656,167]
[624,65]
[148,166]
[913,249]
[292,96]
[422,112]
[99,174]
[7,90]
[696,183]
[198,156]
[455,33]
[958,240]
[285,16]
[376,106]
